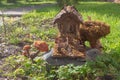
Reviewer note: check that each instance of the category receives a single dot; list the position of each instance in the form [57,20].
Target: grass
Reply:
[102,11]
[37,23]
[20,3]
[105,12]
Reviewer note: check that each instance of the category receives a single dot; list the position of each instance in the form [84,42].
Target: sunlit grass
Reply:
[100,11]
[21,3]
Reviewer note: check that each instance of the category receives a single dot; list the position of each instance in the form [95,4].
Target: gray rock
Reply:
[61,61]
[92,54]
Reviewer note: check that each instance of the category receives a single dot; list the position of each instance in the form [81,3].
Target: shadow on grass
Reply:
[110,9]
[102,8]
[5,6]
[52,7]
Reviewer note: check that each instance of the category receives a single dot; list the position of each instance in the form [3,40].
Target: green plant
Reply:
[105,65]
[71,72]
[14,40]
[20,66]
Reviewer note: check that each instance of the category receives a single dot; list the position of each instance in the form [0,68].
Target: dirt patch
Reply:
[7,50]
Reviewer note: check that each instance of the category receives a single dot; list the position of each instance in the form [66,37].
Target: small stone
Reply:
[92,54]
[61,61]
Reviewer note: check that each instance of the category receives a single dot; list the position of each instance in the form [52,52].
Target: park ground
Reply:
[37,25]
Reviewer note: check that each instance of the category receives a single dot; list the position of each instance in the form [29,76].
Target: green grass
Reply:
[20,3]
[105,12]
[100,11]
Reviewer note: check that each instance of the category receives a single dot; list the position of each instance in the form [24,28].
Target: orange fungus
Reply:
[26,47]
[41,45]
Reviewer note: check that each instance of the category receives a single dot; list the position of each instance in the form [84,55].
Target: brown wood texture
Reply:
[68,43]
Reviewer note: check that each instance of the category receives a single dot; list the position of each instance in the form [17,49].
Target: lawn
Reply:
[39,24]
[21,3]
[100,11]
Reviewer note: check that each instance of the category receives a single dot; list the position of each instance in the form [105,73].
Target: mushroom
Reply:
[26,49]
[41,45]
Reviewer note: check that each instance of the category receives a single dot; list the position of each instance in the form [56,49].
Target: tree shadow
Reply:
[105,8]
[102,8]
[5,6]
[51,7]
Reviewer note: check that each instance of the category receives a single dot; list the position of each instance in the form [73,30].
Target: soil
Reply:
[7,49]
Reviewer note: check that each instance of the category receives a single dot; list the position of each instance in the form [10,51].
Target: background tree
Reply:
[67,2]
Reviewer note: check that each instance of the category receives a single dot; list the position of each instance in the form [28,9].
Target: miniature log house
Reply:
[68,43]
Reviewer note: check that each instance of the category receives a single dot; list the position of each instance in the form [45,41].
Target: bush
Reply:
[106,67]
[66,2]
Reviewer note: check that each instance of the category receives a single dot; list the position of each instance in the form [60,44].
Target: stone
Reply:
[61,61]
[92,54]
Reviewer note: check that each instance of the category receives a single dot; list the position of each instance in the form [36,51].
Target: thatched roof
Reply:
[68,12]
